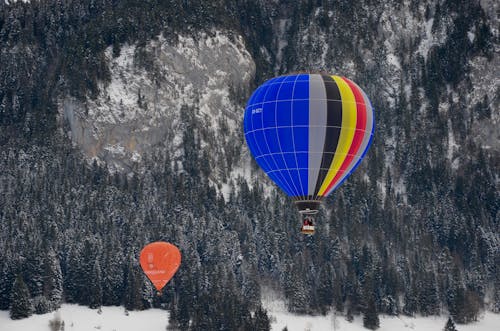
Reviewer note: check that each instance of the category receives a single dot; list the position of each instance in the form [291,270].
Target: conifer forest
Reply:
[414,230]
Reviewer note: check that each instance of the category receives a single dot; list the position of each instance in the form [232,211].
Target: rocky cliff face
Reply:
[151,85]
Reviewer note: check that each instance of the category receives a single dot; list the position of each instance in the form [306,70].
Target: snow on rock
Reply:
[141,106]
[485,77]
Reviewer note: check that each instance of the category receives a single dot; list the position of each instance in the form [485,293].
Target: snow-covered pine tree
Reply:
[261,320]
[6,281]
[370,315]
[133,286]
[53,280]
[95,287]
[450,326]
[112,274]
[21,306]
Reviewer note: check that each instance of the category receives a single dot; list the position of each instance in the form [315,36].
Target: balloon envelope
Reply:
[308,132]
[160,261]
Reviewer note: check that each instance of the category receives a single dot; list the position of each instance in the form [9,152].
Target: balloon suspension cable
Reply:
[308,217]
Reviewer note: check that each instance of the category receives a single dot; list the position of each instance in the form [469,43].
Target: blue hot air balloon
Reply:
[308,132]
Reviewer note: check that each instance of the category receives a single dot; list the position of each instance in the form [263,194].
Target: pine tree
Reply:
[52,280]
[325,288]
[21,306]
[450,326]
[296,289]
[183,311]
[261,320]
[6,281]
[428,297]
[95,288]
[370,314]
[73,276]
[410,306]
[112,274]
[133,287]
[370,317]
[33,270]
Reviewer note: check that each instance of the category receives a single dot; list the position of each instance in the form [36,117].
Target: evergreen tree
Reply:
[428,297]
[112,274]
[450,326]
[73,276]
[410,306]
[370,313]
[370,316]
[133,287]
[95,288]
[439,193]
[21,306]
[325,288]
[32,269]
[6,282]
[52,280]
[261,320]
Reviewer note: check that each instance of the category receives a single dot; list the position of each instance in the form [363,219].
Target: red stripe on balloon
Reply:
[358,135]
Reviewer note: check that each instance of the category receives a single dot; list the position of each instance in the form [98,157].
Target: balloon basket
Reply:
[307,229]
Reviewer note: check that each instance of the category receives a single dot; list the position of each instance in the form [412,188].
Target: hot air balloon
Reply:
[160,261]
[308,132]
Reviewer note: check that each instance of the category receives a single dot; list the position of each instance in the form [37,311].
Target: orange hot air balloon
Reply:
[160,261]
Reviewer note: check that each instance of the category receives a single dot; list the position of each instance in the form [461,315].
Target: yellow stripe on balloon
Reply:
[346,132]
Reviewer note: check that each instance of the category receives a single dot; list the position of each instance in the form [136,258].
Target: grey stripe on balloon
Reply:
[317,129]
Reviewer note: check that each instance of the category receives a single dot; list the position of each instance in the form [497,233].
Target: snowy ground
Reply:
[489,322]
[78,318]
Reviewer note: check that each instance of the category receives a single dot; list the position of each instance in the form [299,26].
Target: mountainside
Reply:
[121,124]
[154,90]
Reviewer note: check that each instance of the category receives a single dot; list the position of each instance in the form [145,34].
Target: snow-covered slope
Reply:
[79,318]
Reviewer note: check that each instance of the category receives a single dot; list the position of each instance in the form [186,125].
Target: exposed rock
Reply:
[140,108]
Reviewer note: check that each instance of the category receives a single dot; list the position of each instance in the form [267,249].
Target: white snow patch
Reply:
[115,149]
[393,60]
[281,40]
[452,147]
[471,36]
[485,77]
[79,318]
[281,318]
[400,189]
[428,41]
